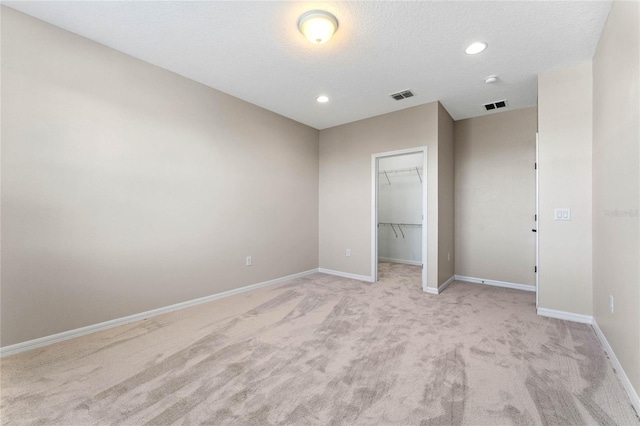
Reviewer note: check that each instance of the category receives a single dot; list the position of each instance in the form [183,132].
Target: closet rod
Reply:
[408,225]
[411,169]
[400,226]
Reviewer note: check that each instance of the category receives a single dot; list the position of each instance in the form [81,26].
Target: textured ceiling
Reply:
[254,51]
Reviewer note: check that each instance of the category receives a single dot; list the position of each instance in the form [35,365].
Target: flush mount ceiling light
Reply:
[476,47]
[322,99]
[318,26]
[491,79]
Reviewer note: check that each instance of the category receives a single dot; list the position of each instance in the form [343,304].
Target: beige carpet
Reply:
[325,350]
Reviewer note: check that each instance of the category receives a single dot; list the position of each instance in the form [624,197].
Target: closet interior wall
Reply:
[400,208]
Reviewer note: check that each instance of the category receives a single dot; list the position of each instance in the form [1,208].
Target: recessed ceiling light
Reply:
[322,99]
[476,47]
[318,26]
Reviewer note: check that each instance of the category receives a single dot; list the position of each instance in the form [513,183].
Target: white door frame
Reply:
[374,209]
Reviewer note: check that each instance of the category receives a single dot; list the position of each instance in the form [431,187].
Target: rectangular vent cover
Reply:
[495,105]
[402,95]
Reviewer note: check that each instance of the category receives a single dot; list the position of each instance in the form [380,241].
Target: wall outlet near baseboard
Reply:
[249,261]
[611,303]
[348,252]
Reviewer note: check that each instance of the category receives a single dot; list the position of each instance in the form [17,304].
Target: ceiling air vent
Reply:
[495,105]
[402,95]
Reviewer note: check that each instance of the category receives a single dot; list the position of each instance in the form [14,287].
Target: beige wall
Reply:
[446,253]
[616,185]
[345,184]
[565,135]
[495,196]
[126,187]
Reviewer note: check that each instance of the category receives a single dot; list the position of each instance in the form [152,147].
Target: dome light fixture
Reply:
[476,47]
[318,26]
[322,99]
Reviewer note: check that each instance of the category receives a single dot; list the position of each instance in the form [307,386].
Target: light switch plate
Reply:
[562,214]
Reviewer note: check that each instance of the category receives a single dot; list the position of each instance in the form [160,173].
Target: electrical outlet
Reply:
[348,252]
[249,261]
[611,303]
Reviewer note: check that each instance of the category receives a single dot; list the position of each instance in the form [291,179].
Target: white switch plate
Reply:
[249,260]
[348,252]
[562,214]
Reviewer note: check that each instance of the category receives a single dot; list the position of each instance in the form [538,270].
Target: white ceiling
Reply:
[254,51]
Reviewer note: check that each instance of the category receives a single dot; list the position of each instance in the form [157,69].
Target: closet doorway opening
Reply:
[399,211]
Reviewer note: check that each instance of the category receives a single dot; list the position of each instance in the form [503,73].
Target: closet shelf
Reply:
[400,226]
[409,170]
[408,225]
[386,173]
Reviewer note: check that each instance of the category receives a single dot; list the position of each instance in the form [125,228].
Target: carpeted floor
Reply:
[326,350]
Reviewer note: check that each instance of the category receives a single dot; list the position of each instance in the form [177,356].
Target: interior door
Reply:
[537,219]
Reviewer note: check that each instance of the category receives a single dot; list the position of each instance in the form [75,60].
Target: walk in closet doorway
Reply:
[399,212]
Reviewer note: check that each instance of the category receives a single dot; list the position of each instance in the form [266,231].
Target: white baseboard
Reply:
[446,283]
[626,383]
[346,275]
[440,289]
[587,319]
[406,262]
[495,283]
[568,316]
[66,335]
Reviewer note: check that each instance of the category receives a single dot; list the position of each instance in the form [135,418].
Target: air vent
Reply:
[402,95]
[495,105]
